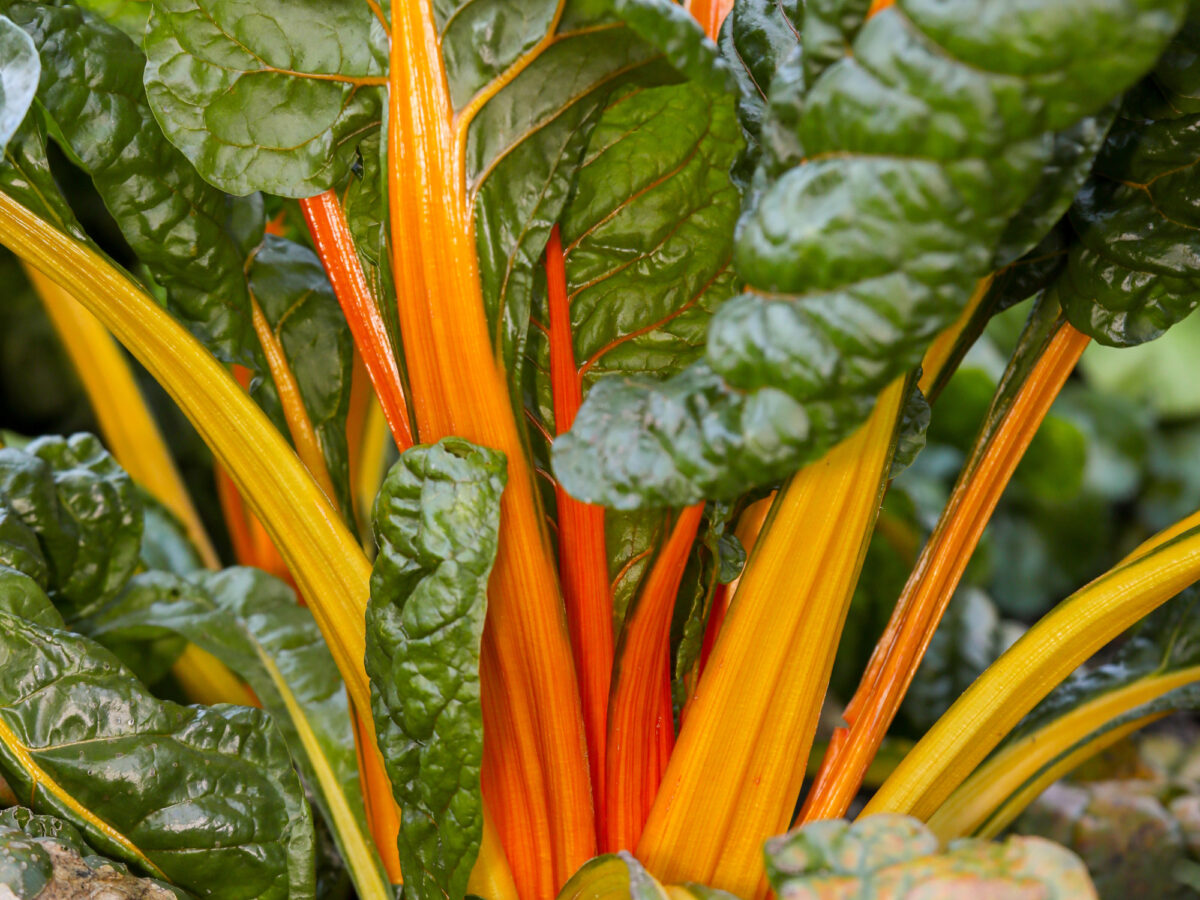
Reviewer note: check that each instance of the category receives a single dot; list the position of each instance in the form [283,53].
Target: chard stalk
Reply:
[1032,667]
[739,761]
[939,569]
[999,789]
[537,776]
[331,236]
[582,551]
[641,730]
[135,440]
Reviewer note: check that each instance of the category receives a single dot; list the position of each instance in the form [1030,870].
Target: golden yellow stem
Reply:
[1030,669]
[740,759]
[128,428]
[1006,773]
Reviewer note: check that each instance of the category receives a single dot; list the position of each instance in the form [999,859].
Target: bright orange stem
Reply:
[582,552]
[331,235]
[934,579]
[710,14]
[536,775]
[640,731]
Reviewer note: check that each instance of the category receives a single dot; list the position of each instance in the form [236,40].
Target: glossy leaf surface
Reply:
[436,522]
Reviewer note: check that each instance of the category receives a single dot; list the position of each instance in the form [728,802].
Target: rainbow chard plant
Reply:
[652,301]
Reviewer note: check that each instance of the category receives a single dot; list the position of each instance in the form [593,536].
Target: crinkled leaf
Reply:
[20,69]
[756,37]
[270,96]
[191,237]
[889,856]
[670,28]
[204,797]
[437,524]
[85,511]
[289,284]
[251,622]
[869,241]
[1135,268]
[830,27]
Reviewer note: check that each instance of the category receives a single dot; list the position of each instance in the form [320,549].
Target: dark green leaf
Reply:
[669,27]
[205,797]
[1135,269]
[437,526]
[20,70]
[868,245]
[192,239]
[165,542]
[910,432]
[830,27]
[251,622]
[128,15]
[85,511]
[268,96]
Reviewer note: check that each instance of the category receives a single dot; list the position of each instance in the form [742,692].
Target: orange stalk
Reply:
[582,552]
[710,14]
[935,577]
[537,776]
[640,731]
[304,436]
[331,235]
[740,758]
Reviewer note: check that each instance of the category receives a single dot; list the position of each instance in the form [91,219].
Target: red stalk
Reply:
[331,235]
[641,731]
[582,553]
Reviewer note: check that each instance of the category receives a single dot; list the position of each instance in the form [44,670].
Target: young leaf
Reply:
[846,247]
[437,525]
[204,797]
[20,69]
[191,237]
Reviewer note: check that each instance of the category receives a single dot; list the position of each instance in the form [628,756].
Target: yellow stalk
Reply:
[1030,669]
[373,449]
[1016,804]
[205,679]
[135,440]
[1001,777]
[330,568]
[129,430]
[739,764]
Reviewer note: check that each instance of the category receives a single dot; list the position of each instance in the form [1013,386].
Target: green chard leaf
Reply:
[898,856]
[191,237]
[866,240]
[1134,269]
[270,96]
[20,69]
[85,512]
[251,621]
[203,797]
[437,527]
